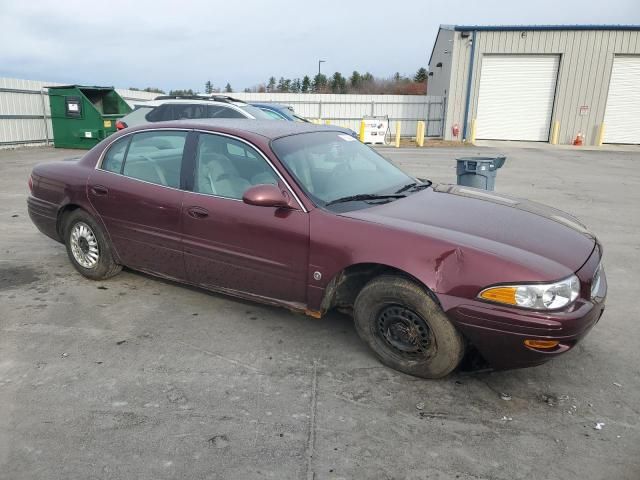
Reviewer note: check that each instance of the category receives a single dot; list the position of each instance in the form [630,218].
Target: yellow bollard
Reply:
[398,129]
[362,131]
[420,134]
[601,135]
[555,132]
[472,138]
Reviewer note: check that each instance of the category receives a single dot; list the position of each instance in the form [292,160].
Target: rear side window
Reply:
[188,111]
[113,160]
[156,114]
[154,157]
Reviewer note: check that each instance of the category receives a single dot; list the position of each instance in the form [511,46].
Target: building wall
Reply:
[438,83]
[586,59]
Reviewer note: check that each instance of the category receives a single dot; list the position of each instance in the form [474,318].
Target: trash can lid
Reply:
[493,162]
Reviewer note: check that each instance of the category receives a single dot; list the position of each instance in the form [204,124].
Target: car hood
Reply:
[488,221]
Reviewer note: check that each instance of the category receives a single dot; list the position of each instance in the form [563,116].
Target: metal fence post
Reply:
[443,115]
[320,110]
[373,108]
[44,117]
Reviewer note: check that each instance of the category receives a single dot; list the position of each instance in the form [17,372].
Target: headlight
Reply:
[549,296]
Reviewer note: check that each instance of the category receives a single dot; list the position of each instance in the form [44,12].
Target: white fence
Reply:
[348,110]
[25,117]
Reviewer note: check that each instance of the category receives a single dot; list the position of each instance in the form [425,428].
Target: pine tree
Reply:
[355,80]
[306,84]
[271,85]
[421,75]
[338,83]
[319,83]
[208,87]
[296,86]
[228,88]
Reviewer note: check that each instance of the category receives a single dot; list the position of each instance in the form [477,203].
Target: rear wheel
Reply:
[406,328]
[88,248]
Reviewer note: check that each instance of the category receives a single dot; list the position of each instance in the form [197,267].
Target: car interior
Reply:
[155,158]
[227,168]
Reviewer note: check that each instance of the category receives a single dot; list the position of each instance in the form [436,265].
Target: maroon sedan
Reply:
[308,218]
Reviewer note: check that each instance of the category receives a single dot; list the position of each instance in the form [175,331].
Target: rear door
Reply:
[232,245]
[137,193]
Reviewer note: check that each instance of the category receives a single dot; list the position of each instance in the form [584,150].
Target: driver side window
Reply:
[226,167]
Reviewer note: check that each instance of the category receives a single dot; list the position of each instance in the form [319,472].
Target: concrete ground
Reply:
[138,378]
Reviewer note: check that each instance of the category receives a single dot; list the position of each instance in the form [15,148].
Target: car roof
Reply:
[270,129]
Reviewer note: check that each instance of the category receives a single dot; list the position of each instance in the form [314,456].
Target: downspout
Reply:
[469,83]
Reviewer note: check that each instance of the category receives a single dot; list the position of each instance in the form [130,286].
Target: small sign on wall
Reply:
[584,110]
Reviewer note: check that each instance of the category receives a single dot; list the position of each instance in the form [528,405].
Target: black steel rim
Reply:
[405,332]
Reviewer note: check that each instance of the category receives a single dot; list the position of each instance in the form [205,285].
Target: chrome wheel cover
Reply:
[84,245]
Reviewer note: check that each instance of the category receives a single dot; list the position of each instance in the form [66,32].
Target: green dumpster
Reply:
[82,116]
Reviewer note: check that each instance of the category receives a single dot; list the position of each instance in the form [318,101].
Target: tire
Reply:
[87,246]
[406,328]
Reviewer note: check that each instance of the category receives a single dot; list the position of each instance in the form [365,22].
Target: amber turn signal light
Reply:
[500,294]
[541,344]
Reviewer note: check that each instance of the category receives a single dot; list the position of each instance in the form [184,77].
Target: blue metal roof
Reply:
[519,28]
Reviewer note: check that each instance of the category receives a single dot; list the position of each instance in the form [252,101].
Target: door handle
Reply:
[99,190]
[197,212]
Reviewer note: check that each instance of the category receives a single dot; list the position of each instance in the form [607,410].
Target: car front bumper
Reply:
[499,333]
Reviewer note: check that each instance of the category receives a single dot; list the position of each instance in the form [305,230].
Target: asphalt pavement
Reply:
[140,378]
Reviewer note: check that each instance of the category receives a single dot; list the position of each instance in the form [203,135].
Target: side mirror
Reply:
[265,196]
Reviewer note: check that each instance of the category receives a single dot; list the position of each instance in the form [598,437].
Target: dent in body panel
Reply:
[448,269]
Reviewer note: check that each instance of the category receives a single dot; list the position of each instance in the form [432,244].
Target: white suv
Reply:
[166,108]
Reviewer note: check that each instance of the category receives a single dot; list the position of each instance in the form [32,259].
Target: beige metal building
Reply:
[539,83]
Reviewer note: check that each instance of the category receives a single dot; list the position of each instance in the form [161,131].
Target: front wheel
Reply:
[88,247]
[406,328]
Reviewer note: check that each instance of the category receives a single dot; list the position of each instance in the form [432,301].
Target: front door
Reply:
[232,245]
[136,191]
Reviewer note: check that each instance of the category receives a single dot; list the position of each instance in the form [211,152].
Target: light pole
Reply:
[319,63]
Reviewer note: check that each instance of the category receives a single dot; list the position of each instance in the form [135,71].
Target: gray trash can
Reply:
[479,172]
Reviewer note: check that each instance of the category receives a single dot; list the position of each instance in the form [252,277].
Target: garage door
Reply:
[622,116]
[515,101]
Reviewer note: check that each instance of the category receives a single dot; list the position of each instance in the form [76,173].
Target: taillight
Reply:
[120,125]
[30,183]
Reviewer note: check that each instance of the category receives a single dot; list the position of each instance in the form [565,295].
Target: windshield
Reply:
[255,112]
[332,166]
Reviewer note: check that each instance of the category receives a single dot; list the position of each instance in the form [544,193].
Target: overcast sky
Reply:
[183,44]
